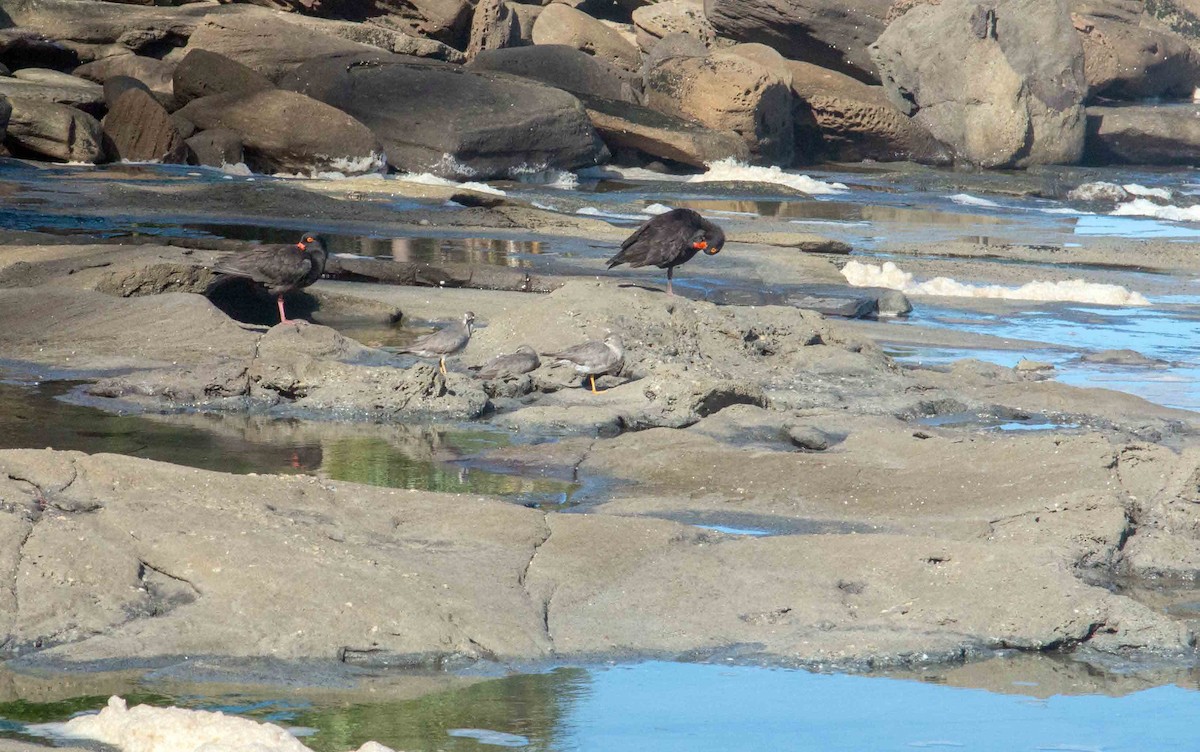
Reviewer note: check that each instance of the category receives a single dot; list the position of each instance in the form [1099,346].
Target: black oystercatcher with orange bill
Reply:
[279,268]
[669,240]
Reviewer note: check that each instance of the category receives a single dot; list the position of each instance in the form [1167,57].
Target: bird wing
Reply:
[266,265]
[659,241]
[445,340]
[588,353]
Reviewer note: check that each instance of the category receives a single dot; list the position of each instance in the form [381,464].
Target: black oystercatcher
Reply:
[279,268]
[594,358]
[445,341]
[669,240]
[524,360]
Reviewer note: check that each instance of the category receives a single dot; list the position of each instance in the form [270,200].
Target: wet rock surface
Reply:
[991,119]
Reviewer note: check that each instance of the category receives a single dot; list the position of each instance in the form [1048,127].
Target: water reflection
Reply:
[491,251]
[393,455]
[1012,703]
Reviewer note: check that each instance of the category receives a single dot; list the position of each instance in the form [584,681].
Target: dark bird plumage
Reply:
[445,341]
[593,358]
[279,268]
[524,360]
[668,240]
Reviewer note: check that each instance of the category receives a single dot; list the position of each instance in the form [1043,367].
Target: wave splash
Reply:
[1071,291]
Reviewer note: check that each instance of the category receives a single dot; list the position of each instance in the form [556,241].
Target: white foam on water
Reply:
[341,168]
[427,178]
[732,171]
[1071,291]
[592,211]
[143,728]
[448,165]
[1065,210]
[613,172]
[1144,207]
[547,176]
[656,209]
[966,199]
[1141,191]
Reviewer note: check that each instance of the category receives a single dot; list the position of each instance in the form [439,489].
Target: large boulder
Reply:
[627,126]
[90,29]
[728,92]
[561,24]
[526,15]
[651,23]
[389,35]
[493,27]
[271,49]
[155,73]
[848,120]
[444,20]
[564,68]
[202,73]
[138,129]
[1143,135]
[216,147]
[54,131]
[52,86]
[1003,86]
[450,121]
[830,33]
[1129,56]
[283,131]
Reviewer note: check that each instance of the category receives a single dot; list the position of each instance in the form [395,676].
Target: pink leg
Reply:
[670,273]
[283,319]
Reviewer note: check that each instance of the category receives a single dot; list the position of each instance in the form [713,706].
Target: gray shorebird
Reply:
[668,240]
[279,268]
[445,341]
[524,360]
[594,358]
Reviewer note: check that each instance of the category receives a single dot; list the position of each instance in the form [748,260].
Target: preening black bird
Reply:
[668,240]
[279,268]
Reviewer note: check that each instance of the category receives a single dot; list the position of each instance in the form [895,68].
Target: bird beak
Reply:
[700,245]
[300,245]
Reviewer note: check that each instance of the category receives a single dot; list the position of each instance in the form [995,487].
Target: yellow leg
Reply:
[442,365]
[593,378]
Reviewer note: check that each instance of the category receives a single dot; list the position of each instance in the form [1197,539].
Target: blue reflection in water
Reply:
[1132,227]
[1169,332]
[692,708]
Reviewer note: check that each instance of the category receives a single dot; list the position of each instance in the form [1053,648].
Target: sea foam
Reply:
[732,171]
[1073,291]
[426,178]
[966,199]
[143,728]
[1143,207]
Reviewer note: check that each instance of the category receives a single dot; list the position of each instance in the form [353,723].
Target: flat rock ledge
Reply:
[111,558]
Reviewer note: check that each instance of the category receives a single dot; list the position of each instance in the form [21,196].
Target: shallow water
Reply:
[431,458]
[1027,705]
